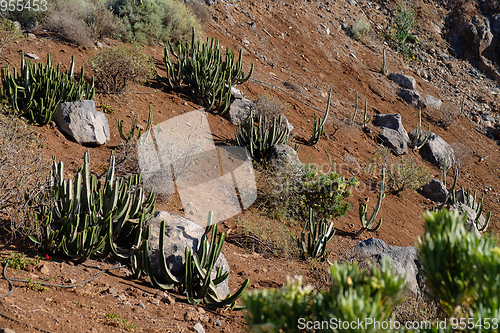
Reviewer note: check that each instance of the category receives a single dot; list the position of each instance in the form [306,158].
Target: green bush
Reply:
[155,21]
[360,30]
[355,295]
[400,32]
[115,67]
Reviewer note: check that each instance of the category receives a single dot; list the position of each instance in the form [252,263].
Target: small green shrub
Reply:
[8,33]
[400,32]
[115,67]
[155,21]
[360,30]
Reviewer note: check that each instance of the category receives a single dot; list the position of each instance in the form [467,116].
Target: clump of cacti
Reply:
[200,67]
[37,90]
[131,131]
[89,217]
[259,139]
[319,124]
[420,138]
[368,223]
[318,235]
[196,282]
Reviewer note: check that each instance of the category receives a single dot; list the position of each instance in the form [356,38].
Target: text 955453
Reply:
[23,5]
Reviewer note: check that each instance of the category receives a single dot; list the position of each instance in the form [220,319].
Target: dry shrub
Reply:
[66,18]
[416,309]
[8,33]
[268,106]
[102,22]
[200,10]
[23,173]
[446,115]
[463,154]
[360,30]
[115,67]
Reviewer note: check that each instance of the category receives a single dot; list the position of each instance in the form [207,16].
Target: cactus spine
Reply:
[37,90]
[369,223]
[318,236]
[319,125]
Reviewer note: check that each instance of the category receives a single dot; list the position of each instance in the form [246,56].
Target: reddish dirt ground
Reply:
[290,49]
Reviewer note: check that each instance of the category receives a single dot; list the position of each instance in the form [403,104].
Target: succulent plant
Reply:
[319,125]
[131,131]
[37,90]
[200,67]
[87,217]
[318,236]
[369,223]
[420,139]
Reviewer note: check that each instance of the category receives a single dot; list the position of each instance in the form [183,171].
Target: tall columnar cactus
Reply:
[200,67]
[36,91]
[366,119]
[355,110]
[420,139]
[131,131]
[369,223]
[197,281]
[88,217]
[383,69]
[259,139]
[319,125]
[319,234]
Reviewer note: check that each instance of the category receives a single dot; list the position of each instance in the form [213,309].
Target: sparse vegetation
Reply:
[155,21]
[400,32]
[19,261]
[318,235]
[112,319]
[360,30]
[9,33]
[268,106]
[117,66]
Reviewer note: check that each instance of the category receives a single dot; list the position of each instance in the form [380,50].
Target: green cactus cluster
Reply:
[200,67]
[369,223]
[196,282]
[131,131]
[36,90]
[420,138]
[318,235]
[319,125]
[259,139]
[88,217]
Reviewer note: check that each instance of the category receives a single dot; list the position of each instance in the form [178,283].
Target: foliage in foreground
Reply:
[462,272]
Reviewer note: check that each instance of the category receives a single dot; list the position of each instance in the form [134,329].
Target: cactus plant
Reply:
[355,110]
[131,131]
[318,236]
[319,125]
[420,139]
[200,67]
[259,139]
[369,223]
[366,119]
[37,90]
[88,217]
[197,281]
[383,69]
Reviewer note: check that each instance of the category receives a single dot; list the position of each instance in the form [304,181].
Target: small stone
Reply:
[7,330]
[141,305]
[70,281]
[201,311]
[190,316]
[31,36]
[154,301]
[218,323]
[167,299]
[32,56]
[99,45]
[112,291]
[44,269]
[245,41]
[199,328]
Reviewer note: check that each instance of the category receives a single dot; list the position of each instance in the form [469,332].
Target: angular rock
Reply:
[240,110]
[179,234]
[392,121]
[403,259]
[82,122]
[404,81]
[285,157]
[434,190]
[32,56]
[199,328]
[436,150]
[432,102]
[412,97]
[236,93]
[394,140]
